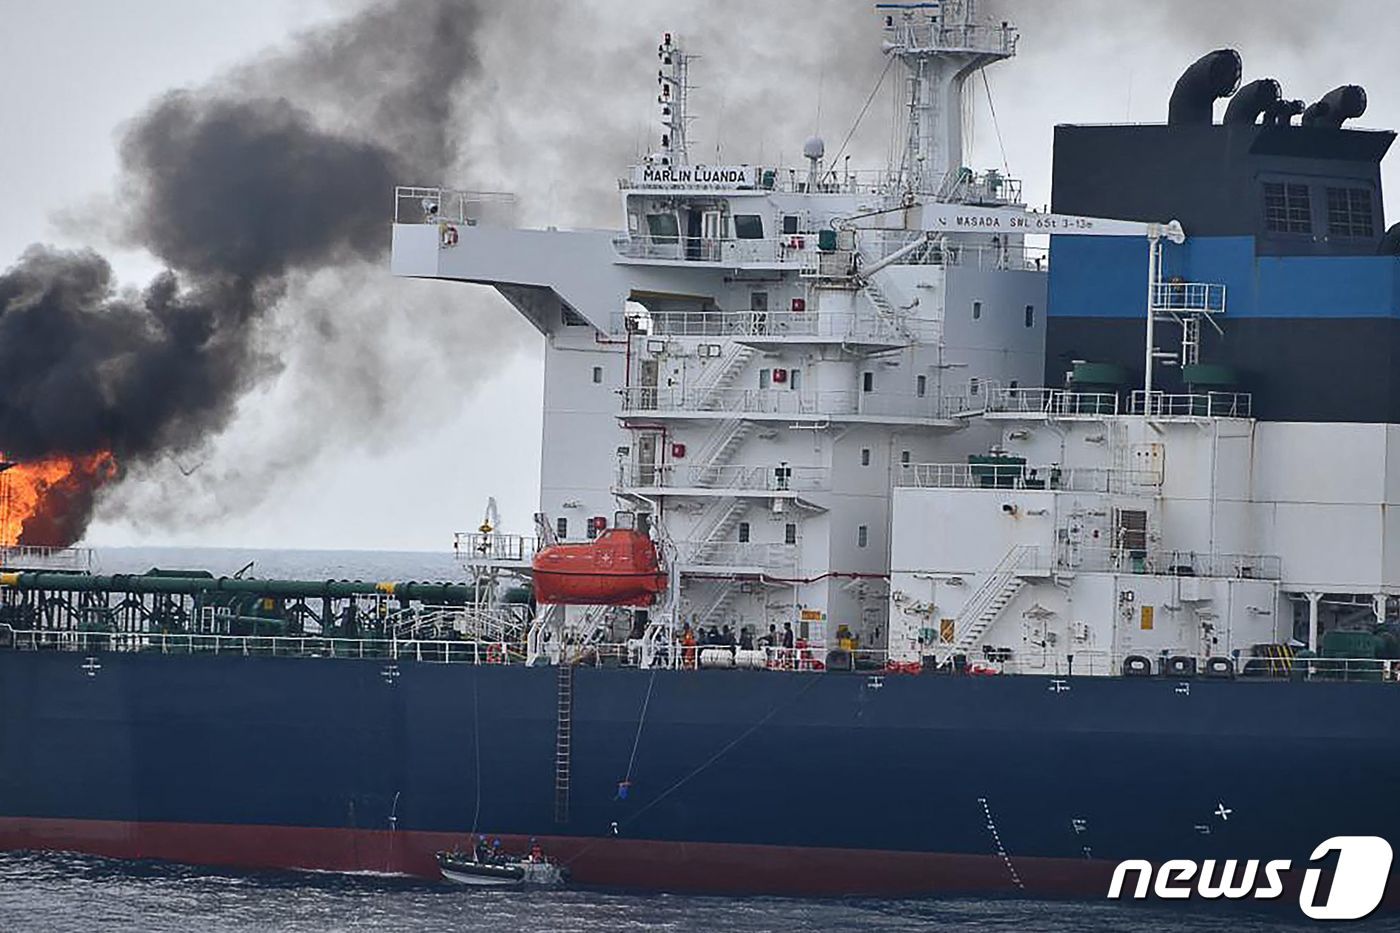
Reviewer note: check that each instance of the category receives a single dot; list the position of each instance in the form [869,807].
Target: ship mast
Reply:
[940,46]
[673,97]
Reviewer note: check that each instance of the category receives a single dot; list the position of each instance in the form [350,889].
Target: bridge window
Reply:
[1287,208]
[789,224]
[1349,212]
[790,533]
[664,228]
[743,532]
[748,227]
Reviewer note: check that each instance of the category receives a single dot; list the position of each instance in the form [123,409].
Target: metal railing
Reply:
[753,555]
[793,402]
[796,250]
[990,187]
[414,205]
[441,651]
[782,324]
[1180,563]
[1192,405]
[877,244]
[1023,476]
[768,478]
[485,547]
[1206,297]
[25,556]
[1051,402]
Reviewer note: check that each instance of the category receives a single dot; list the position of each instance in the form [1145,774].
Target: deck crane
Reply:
[937,219]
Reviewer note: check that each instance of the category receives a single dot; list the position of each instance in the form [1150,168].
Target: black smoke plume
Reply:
[282,170]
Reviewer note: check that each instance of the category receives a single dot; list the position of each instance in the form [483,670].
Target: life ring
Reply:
[494,654]
[449,235]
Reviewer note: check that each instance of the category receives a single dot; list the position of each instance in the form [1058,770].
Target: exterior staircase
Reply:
[708,394]
[719,450]
[992,597]
[713,614]
[717,527]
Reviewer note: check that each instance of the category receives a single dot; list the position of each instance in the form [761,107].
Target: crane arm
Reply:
[962,218]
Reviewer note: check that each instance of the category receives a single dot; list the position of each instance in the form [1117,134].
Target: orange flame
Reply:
[47,502]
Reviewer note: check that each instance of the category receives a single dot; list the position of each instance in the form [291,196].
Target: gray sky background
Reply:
[565,100]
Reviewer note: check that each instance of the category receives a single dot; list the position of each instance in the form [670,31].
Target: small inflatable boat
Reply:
[462,868]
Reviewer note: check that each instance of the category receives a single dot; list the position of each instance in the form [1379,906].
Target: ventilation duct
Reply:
[1338,104]
[1251,100]
[1212,76]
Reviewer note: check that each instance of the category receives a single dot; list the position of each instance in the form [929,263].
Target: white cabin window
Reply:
[748,227]
[867,382]
[904,457]
[862,536]
[561,527]
[597,374]
[743,532]
[1030,315]
[974,386]
[794,378]
[790,533]
[977,310]
[865,456]
[765,378]
[663,228]
[790,224]
[921,386]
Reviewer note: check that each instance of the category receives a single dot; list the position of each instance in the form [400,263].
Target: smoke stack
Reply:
[1213,75]
[1339,104]
[1252,100]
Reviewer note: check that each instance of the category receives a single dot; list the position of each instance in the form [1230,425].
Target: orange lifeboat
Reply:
[620,568]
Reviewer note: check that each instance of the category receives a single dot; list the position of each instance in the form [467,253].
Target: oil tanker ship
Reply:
[876,553]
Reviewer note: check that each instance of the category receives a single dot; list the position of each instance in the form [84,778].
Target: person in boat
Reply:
[787,635]
[496,854]
[746,638]
[536,852]
[688,645]
[482,850]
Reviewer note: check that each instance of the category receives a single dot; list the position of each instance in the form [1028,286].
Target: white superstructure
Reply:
[758,350]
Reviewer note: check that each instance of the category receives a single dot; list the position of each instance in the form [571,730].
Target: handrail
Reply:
[1191,404]
[1049,476]
[764,477]
[433,205]
[793,402]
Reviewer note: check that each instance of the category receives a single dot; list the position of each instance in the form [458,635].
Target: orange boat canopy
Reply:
[620,568]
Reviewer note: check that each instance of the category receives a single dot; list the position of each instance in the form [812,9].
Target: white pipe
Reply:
[1154,245]
[1313,600]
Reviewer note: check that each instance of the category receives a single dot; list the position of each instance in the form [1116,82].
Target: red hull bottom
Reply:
[608,862]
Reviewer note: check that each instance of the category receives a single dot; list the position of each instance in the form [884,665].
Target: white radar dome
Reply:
[814,148]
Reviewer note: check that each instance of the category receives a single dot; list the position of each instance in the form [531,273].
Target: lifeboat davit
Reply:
[619,568]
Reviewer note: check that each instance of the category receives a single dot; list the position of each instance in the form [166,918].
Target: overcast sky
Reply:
[563,100]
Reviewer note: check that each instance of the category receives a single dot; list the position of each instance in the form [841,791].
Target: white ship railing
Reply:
[390,649]
[415,205]
[790,402]
[1204,297]
[781,324]
[1181,563]
[797,250]
[991,187]
[767,478]
[877,244]
[1000,476]
[484,547]
[46,558]
[1051,402]
[1192,405]
[738,554]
